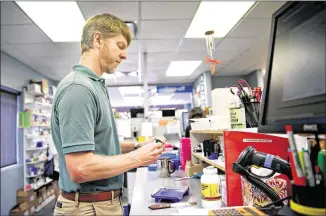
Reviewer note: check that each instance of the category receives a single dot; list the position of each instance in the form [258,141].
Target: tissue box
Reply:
[252,196]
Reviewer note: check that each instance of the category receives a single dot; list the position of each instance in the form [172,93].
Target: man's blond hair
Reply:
[108,25]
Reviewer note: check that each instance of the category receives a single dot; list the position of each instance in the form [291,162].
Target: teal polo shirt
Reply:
[82,120]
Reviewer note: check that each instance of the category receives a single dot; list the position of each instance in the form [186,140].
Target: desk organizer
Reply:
[171,194]
[308,200]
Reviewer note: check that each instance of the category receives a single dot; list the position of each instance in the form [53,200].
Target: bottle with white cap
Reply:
[210,189]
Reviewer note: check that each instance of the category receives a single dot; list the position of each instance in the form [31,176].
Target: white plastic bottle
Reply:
[210,189]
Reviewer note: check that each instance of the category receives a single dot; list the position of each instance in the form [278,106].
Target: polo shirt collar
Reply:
[88,72]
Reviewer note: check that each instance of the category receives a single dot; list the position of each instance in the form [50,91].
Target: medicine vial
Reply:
[210,189]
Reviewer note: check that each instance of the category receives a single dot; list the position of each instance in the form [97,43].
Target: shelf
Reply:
[40,125]
[216,163]
[219,132]
[34,93]
[36,149]
[37,105]
[37,137]
[40,114]
[45,202]
[36,162]
[45,183]
[34,176]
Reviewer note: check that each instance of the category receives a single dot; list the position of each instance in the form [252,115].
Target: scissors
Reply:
[238,90]
[242,81]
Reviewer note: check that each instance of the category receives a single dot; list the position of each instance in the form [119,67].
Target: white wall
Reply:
[15,75]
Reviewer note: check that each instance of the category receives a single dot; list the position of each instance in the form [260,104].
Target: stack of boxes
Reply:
[28,201]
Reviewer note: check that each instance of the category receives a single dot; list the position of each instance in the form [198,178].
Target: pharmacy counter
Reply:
[148,183]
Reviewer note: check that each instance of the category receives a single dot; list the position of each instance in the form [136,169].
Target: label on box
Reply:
[26,213]
[31,198]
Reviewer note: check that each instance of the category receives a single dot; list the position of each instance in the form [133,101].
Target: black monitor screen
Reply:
[135,111]
[185,120]
[296,80]
[168,112]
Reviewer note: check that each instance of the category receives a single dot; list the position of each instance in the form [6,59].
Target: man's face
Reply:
[112,52]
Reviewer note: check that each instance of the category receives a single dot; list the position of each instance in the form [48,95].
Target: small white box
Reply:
[34,88]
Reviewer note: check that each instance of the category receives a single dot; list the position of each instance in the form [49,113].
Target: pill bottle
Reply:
[210,189]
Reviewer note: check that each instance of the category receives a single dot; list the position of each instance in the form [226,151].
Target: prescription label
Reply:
[210,192]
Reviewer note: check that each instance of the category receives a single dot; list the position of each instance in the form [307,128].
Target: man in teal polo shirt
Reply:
[83,126]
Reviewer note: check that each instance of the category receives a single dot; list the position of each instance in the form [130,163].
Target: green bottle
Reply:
[322,162]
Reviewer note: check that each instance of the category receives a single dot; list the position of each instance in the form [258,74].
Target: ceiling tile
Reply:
[239,44]
[159,57]
[190,56]
[39,49]
[193,44]
[168,10]
[11,14]
[127,11]
[265,9]
[159,45]
[23,34]
[69,48]
[255,28]
[133,47]
[175,29]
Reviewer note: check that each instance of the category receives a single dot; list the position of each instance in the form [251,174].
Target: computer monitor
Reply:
[295,82]
[137,112]
[185,120]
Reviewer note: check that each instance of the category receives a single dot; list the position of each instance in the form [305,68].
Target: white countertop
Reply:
[148,183]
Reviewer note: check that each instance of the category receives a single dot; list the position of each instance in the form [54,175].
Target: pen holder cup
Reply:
[308,200]
[252,114]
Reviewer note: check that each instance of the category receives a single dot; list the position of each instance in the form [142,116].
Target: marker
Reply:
[294,151]
[309,171]
[301,181]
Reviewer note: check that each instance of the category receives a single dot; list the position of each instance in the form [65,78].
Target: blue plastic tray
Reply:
[172,194]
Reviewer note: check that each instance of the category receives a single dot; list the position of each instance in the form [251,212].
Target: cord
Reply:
[257,182]
[280,200]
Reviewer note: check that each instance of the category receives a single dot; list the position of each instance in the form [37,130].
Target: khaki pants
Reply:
[68,207]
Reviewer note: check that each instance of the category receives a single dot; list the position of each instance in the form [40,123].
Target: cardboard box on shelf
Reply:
[34,88]
[25,196]
[49,190]
[192,168]
[24,208]
[42,193]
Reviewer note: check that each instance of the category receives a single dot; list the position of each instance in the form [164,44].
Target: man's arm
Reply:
[87,166]
[127,146]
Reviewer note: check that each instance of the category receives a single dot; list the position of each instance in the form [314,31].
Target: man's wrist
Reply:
[136,145]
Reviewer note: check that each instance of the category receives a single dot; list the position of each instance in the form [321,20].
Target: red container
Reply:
[185,151]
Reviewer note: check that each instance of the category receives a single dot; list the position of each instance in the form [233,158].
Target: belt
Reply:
[92,197]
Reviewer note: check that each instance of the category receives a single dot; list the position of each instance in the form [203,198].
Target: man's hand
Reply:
[151,140]
[148,154]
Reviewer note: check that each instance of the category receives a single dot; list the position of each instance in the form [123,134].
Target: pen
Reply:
[301,181]
[302,161]
[309,171]
[296,160]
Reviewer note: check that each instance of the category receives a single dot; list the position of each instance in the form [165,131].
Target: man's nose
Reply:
[123,55]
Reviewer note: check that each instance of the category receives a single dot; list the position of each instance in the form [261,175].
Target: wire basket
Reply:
[252,114]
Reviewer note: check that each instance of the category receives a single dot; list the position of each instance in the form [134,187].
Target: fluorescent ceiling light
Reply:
[182,68]
[218,16]
[132,90]
[60,21]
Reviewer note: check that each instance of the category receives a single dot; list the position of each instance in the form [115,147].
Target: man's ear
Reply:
[97,40]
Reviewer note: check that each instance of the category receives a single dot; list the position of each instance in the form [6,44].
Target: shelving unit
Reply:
[37,136]
[196,137]
[216,163]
